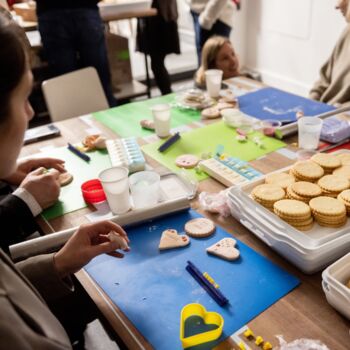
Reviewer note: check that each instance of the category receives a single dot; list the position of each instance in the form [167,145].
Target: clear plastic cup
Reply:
[213,79]
[144,187]
[162,120]
[309,130]
[116,187]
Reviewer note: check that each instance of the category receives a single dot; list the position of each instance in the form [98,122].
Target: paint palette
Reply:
[229,170]
[126,152]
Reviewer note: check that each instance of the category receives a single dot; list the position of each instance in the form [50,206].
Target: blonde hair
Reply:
[210,50]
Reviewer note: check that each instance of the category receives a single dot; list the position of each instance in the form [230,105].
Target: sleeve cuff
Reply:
[41,272]
[28,199]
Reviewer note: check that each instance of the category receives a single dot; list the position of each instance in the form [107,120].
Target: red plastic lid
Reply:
[92,191]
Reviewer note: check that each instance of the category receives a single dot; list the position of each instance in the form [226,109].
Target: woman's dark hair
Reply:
[13,61]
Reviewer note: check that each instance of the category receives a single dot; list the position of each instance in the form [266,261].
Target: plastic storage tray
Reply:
[333,283]
[310,251]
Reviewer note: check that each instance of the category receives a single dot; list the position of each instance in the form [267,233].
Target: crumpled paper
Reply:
[215,202]
[301,344]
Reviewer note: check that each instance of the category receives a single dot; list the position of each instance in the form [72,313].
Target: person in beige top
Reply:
[26,322]
[333,86]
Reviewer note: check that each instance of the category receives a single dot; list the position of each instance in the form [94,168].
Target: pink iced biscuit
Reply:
[187,161]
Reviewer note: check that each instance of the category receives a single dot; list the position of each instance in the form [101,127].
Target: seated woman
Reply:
[25,319]
[333,86]
[217,53]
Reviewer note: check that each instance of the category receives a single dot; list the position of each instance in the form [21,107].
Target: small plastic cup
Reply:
[269,126]
[213,78]
[309,130]
[93,192]
[144,187]
[116,187]
[162,120]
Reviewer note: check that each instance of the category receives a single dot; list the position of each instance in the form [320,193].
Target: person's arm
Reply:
[17,218]
[50,273]
[211,13]
[324,80]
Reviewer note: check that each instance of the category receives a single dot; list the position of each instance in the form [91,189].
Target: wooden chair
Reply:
[73,94]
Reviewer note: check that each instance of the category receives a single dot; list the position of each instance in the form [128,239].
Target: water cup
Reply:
[116,187]
[309,130]
[213,79]
[144,187]
[161,117]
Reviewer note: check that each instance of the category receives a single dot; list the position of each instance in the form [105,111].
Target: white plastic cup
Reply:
[309,130]
[144,187]
[161,117]
[213,78]
[116,187]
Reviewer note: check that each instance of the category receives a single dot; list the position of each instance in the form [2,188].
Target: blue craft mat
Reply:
[271,103]
[151,287]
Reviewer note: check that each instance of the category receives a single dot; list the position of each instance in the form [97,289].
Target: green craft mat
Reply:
[206,139]
[125,120]
[71,198]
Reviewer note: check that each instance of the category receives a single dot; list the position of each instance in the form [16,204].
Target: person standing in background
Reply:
[158,36]
[72,34]
[333,85]
[211,17]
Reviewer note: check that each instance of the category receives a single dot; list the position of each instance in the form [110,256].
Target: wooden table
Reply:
[303,313]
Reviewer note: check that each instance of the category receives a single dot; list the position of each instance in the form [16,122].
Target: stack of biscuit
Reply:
[295,213]
[332,185]
[327,161]
[329,212]
[267,195]
[280,179]
[307,171]
[303,191]
[344,197]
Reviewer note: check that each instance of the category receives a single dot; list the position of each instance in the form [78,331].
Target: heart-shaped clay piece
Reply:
[199,326]
[171,239]
[225,249]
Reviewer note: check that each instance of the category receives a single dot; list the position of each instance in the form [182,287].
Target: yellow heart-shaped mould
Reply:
[208,317]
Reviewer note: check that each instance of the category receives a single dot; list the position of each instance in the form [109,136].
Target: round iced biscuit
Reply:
[200,227]
[326,160]
[344,158]
[267,192]
[280,179]
[327,206]
[343,171]
[210,113]
[187,161]
[307,170]
[65,179]
[306,189]
[291,207]
[224,105]
[333,183]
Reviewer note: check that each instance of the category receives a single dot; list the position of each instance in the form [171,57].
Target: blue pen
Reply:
[169,142]
[203,282]
[78,153]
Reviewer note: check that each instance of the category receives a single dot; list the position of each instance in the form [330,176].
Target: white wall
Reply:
[287,41]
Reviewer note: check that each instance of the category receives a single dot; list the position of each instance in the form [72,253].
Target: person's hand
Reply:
[89,241]
[24,167]
[43,186]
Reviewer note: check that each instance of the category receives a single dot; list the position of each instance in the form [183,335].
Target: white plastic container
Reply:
[334,278]
[118,7]
[310,251]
